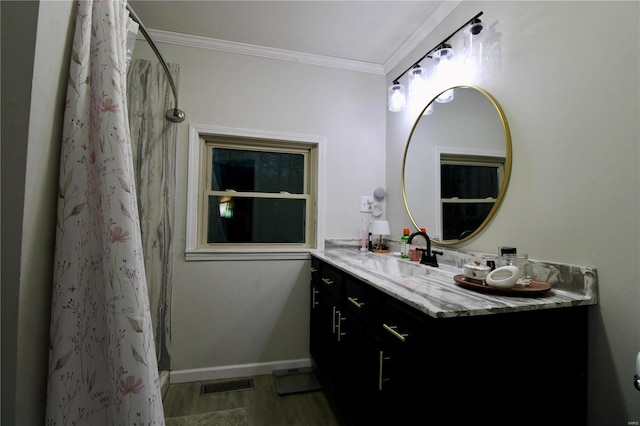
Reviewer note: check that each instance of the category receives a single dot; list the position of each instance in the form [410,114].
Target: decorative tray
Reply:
[536,288]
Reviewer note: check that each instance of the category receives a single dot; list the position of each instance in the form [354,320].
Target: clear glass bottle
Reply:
[521,261]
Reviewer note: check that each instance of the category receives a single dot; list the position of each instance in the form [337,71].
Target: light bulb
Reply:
[417,83]
[474,49]
[443,55]
[446,96]
[397,99]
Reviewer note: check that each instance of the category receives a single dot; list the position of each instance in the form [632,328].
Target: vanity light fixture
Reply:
[417,84]
[443,57]
[474,44]
[442,54]
[397,97]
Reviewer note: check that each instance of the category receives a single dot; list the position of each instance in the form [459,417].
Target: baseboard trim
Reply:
[232,371]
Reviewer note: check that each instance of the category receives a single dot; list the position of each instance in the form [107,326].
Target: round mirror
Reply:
[456,165]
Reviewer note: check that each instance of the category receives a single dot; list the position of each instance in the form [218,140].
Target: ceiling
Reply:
[367,31]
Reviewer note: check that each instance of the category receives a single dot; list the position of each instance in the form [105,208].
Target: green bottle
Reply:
[404,244]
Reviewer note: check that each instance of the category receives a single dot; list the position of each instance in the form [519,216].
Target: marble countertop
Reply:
[434,291]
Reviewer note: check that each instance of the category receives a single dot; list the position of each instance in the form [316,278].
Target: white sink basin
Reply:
[413,268]
[397,267]
[416,269]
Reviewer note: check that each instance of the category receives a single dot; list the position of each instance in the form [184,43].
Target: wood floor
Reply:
[262,404]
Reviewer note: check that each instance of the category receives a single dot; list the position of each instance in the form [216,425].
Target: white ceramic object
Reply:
[504,277]
[476,271]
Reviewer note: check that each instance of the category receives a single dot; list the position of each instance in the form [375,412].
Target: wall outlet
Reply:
[366,204]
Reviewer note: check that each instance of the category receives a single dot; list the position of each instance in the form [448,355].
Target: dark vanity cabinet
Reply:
[341,342]
[384,362]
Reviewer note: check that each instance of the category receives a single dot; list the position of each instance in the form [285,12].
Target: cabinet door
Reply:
[326,286]
[332,344]
[405,364]
[358,353]
[317,336]
[322,340]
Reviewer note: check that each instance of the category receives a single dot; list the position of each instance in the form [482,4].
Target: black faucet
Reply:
[428,256]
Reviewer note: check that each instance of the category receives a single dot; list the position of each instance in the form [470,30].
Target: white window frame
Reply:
[198,132]
[441,151]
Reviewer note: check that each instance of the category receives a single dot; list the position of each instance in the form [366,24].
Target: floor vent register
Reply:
[228,386]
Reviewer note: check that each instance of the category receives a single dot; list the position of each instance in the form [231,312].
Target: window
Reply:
[469,187]
[256,193]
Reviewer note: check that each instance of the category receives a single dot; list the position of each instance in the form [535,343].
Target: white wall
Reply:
[227,313]
[37,47]
[569,85]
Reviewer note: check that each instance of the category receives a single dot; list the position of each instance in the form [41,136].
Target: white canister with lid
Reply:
[476,271]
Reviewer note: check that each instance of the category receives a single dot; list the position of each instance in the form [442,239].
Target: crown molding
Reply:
[206,43]
[440,13]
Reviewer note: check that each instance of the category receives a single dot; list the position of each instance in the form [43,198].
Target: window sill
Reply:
[248,254]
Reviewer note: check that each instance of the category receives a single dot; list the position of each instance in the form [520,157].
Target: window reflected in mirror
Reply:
[469,188]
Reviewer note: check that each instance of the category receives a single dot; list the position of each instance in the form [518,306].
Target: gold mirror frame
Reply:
[507,167]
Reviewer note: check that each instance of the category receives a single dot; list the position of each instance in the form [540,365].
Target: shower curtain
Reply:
[102,357]
[153,141]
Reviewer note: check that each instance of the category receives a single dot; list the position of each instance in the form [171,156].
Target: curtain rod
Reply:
[395,81]
[176,115]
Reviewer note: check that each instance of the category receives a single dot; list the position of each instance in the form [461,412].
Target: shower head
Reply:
[175,115]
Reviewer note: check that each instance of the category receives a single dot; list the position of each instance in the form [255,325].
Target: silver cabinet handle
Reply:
[333,318]
[392,329]
[313,269]
[327,281]
[381,378]
[314,303]
[339,325]
[354,300]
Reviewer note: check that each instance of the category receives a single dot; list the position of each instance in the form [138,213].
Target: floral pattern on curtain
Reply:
[102,359]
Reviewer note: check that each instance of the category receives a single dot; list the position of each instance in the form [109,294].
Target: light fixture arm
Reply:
[395,81]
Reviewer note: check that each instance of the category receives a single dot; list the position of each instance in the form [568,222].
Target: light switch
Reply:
[366,204]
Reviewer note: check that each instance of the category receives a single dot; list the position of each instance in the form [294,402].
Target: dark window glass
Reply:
[460,219]
[257,171]
[256,220]
[468,181]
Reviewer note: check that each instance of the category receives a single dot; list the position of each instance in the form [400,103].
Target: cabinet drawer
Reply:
[315,269]
[402,324]
[361,299]
[331,279]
